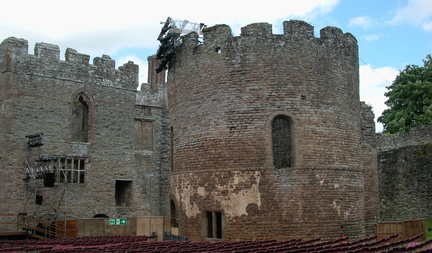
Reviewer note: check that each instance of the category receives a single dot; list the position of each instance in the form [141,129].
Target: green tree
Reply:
[409,99]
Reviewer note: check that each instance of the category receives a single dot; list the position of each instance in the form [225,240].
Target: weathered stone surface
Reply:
[369,157]
[37,94]
[223,95]
[404,164]
[413,137]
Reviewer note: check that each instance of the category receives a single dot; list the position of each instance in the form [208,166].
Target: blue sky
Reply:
[390,33]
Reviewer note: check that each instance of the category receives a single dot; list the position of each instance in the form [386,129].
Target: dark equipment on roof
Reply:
[170,37]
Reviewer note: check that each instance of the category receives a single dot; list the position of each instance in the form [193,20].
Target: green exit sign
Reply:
[117,221]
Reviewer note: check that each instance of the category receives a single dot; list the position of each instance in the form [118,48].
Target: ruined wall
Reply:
[370,168]
[223,95]
[404,163]
[38,93]
[415,136]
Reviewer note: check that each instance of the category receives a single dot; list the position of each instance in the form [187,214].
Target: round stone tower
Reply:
[266,134]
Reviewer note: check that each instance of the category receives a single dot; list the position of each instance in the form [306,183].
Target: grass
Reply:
[428,224]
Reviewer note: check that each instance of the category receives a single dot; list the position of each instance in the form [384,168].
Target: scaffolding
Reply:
[49,208]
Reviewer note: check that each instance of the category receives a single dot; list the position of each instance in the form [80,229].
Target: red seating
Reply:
[129,244]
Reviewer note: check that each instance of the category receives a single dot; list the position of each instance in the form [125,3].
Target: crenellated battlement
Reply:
[72,55]
[47,52]
[14,58]
[298,28]
[294,31]
[296,58]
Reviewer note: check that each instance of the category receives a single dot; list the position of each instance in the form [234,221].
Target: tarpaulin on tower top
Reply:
[170,37]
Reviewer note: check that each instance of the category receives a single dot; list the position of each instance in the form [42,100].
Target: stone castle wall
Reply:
[369,157]
[39,92]
[223,96]
[404,167]
[413,137]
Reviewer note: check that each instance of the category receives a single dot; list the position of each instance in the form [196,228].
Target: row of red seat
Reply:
[127,244]
[78,240]
[68,243]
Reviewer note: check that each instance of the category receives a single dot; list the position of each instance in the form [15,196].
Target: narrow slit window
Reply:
[281,140]
[172,147]
[173,215]
[80,119]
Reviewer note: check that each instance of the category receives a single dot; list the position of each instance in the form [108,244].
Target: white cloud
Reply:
[417,13]
[428,26]
[371,37]
[363,21]
[59,18]
[373,84]
[99,27]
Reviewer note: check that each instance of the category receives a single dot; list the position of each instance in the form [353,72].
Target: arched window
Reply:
[80,119]
[281,140]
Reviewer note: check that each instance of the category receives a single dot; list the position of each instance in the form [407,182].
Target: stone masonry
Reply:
[405,175]
[225,97]
[95,124]
[257,136]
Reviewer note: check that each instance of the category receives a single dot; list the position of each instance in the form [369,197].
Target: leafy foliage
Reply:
[409,99]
